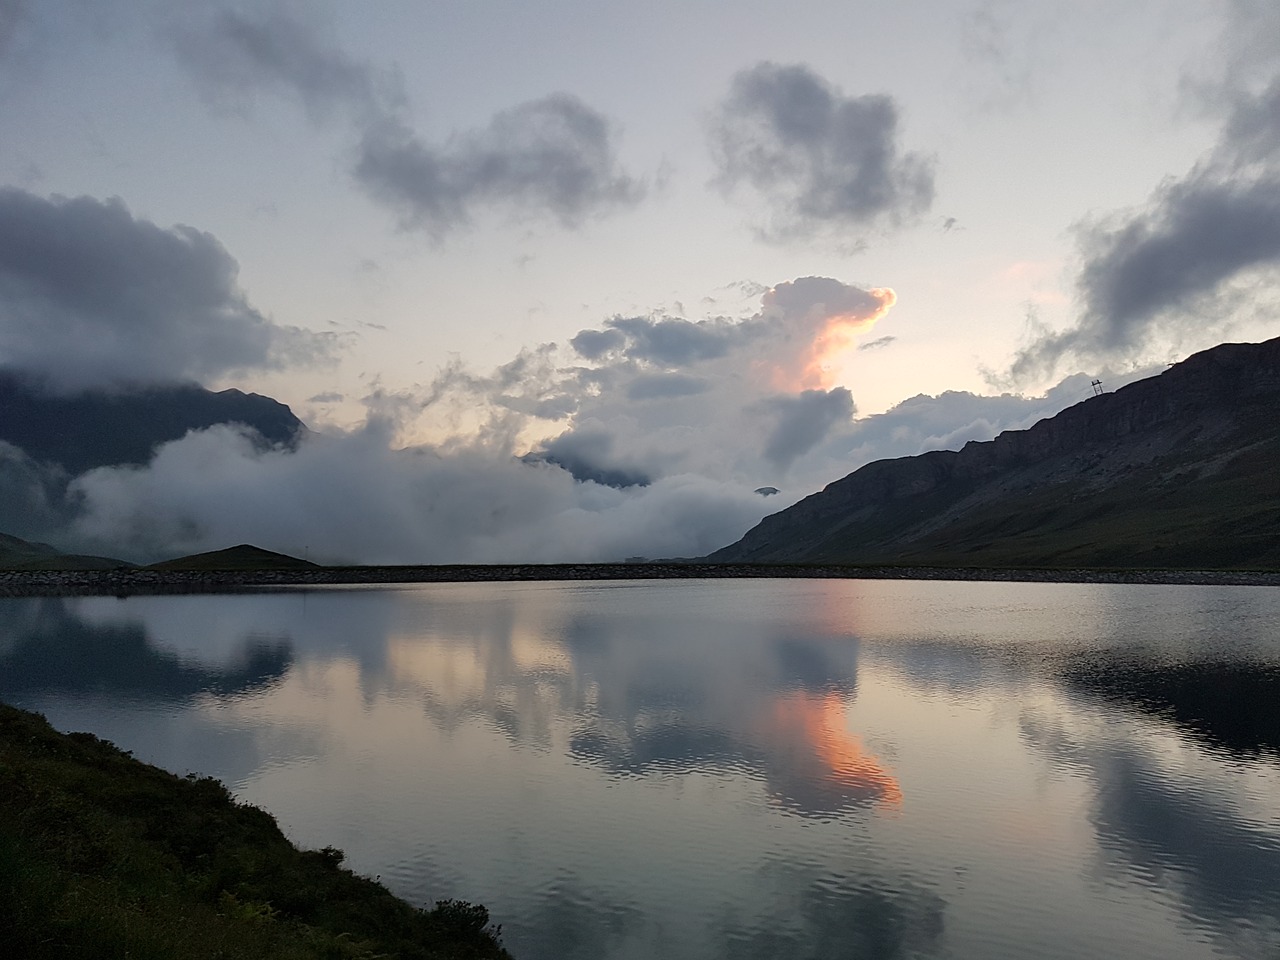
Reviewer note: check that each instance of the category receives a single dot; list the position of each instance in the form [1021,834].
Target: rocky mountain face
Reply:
[101,428]
[1179,470]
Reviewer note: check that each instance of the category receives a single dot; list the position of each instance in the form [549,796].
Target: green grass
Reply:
[102,856]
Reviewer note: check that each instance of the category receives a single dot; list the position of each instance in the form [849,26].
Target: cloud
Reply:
[822,161]
[661,386]
[553,156]
[878,343]
[351,497]
[1183,266]
[803,421]
[828,316]
[588,453]
[91,296]
[31,495]
[12,15]
[232,56]
[654,448]
[594,344]
[675,342]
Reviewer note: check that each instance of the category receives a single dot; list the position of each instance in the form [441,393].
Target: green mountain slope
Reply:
[1180,470]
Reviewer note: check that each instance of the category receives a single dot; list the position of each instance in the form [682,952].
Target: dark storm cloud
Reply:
[671,341]
[91,296]
[803,421]
[594,344]
[588,453]
[1253,132]
[31,495]
[1161,273]
[819,158]
[1140,279]
[1201,233]
[555,155]
[659,386]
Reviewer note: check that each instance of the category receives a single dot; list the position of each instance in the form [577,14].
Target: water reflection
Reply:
[1161,823]
[1231,705]
[49,649]
[705,770]
[828,766]
[849,916]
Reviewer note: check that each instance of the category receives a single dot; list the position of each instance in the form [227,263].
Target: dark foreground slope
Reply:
[104,856]
[1181,470]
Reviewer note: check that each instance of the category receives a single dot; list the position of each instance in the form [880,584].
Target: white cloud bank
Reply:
[657,430]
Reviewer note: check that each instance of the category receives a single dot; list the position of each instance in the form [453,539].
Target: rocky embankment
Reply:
[127,582]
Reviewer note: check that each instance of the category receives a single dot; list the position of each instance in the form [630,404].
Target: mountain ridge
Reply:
[1175,470]
[98,428]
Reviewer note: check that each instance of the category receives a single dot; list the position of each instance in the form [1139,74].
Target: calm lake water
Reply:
[730,769]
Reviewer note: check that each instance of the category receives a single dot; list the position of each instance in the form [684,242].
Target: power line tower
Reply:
[1097,387]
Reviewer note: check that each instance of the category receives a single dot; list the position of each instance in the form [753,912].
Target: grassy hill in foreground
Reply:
[104,856]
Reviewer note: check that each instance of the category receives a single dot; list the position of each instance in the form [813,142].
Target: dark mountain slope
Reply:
[245,556]
[99,428]
[16,554]
[1179,470]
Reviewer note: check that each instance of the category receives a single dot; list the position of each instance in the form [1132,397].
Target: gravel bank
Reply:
[54,583]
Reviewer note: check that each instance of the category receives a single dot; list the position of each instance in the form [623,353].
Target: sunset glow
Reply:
[823,359]
[821,722]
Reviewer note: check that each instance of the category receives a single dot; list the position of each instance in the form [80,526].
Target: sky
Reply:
[571,281]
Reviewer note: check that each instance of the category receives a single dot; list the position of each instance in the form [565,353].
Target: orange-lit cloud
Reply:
[837,338]
[826,318]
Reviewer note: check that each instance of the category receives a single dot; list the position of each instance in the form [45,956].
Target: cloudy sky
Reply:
[569,280]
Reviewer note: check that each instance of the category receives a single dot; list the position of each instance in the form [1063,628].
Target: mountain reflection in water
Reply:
[47,648]
[730,769]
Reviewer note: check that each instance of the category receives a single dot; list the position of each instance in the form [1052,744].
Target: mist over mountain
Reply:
[1178,470]
[98,428]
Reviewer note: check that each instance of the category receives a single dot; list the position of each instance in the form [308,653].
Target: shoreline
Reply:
[136,581]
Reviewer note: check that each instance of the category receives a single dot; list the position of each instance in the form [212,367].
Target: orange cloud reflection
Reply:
[819,720]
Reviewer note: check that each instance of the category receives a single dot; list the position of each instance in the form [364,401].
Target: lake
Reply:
[729,769]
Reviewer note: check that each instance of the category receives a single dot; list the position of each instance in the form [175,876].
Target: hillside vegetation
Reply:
[104,856]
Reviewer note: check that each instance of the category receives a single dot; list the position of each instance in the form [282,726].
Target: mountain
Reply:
[101,428]
[1181,470]
[242,557]
[18,554]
